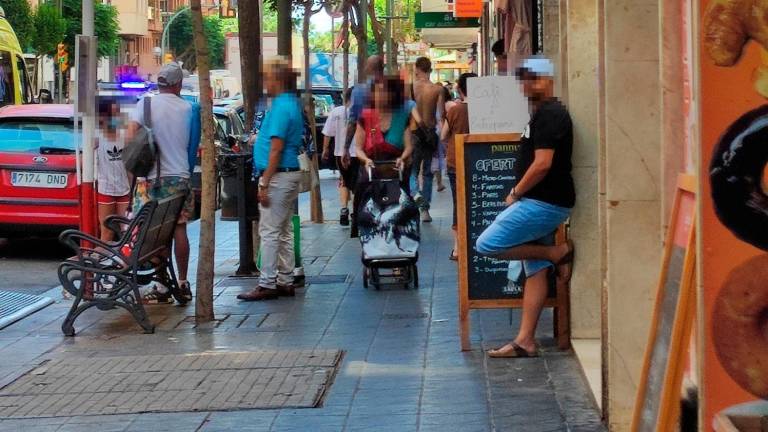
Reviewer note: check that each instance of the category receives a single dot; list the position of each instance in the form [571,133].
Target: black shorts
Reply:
[348,175]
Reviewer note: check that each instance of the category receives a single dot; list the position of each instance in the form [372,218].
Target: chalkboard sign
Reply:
[485,174]
[658,398]
[489,178]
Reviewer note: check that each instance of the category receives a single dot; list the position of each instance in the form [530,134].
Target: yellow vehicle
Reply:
[15,88]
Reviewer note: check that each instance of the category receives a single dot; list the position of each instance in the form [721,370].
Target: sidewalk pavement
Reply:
[401,369]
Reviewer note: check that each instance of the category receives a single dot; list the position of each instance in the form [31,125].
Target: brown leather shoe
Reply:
[259,294]
[286,290]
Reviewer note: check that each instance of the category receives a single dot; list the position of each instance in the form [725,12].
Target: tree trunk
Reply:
[376,28]
[205,262]
[345,46]
[249,18]
[360,31]
[284,28]
[315,201]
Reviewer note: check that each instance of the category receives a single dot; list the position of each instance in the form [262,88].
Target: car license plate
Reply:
[38,179]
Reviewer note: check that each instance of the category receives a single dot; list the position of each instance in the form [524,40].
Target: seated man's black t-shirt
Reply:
[550,128]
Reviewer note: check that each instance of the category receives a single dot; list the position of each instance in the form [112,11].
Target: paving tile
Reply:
[402,370]
[457,422]
[382,422]
[248,421]
[167,422]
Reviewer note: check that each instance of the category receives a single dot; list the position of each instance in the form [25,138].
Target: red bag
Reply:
[376,147]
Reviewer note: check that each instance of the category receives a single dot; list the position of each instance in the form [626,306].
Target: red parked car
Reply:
[38,185]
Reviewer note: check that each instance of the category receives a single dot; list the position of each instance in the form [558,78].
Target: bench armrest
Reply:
[116,224]
[102,250]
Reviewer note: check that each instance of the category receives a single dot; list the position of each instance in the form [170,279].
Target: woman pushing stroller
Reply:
[386,218]
[384,134]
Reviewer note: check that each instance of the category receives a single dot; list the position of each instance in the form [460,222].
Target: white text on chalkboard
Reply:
[495,164]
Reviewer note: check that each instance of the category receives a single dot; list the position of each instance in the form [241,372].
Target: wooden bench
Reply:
[108,274]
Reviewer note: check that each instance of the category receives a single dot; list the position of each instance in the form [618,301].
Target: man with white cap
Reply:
[172,120]
[541,200]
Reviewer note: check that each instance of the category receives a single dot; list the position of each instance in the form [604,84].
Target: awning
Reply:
[461,38]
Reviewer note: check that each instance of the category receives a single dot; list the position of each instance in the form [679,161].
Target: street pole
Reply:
[389,18]
[333,47]
[59,83]
[164,37]
[88,109]
[345,50]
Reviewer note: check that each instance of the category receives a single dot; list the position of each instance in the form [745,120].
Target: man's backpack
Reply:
[141,153]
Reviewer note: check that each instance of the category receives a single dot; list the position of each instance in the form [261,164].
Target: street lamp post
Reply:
[164,37]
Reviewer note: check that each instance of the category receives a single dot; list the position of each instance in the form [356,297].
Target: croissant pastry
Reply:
[729,25]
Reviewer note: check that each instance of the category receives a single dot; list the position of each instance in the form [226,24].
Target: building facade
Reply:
[622,71]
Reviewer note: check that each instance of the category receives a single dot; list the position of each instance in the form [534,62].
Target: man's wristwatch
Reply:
[513,194]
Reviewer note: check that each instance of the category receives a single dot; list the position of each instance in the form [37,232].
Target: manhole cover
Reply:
[171,383]
[15,306]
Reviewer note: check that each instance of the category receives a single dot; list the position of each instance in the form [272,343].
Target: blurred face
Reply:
[536,88]
[272,82]
[380,97]
[110,119]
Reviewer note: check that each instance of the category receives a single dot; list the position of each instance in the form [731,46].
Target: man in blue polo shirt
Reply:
[275,160]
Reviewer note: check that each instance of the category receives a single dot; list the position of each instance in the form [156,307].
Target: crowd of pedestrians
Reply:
[384,122]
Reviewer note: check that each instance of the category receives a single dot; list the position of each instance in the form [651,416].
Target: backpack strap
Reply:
[148,125]
[148,112]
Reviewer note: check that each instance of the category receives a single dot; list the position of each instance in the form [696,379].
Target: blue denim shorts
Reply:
[526,221]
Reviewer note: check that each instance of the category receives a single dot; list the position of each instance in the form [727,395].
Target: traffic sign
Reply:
[427,20]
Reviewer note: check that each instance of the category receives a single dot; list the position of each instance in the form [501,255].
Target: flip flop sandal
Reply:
[516,352]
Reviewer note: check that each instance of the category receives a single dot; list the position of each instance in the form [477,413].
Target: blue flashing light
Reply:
[134,85]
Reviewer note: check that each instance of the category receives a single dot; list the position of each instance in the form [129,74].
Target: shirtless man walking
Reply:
[429,104]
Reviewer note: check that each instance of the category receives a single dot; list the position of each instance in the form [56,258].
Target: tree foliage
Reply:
[106,25]
[182,36]
[49,29]
[19,15]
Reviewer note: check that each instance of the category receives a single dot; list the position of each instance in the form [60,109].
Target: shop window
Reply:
[25,87]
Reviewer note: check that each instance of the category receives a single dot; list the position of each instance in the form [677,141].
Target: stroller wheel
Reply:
[366,274]
[415,274]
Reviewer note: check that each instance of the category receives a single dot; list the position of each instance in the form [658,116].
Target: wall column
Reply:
[582,94]
[633,180]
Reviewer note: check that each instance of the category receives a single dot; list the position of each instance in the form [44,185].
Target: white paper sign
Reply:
[496,105]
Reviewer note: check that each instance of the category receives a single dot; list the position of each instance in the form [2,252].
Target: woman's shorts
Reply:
[112,200]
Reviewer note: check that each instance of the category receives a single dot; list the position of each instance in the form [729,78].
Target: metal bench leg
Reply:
[68,326]
[132,303]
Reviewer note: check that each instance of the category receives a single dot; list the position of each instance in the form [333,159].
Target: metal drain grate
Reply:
[15,306]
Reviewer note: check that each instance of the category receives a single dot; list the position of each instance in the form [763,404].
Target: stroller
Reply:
[388,224]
